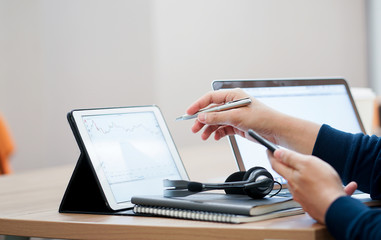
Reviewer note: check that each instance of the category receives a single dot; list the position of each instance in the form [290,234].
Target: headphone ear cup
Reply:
[254,174]
[235,177]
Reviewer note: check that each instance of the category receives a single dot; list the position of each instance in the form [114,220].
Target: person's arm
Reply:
[348,218]
[356,157]
[297,134]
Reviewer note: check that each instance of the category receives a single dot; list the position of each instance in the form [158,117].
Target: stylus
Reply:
[269,145]
[229,105]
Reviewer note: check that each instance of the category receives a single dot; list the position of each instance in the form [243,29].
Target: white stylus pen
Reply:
[229,105]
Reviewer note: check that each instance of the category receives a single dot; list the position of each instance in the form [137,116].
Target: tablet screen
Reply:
[131,151]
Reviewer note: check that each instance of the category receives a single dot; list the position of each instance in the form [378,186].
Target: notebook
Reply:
[218,207]
[326,100]
[129,149]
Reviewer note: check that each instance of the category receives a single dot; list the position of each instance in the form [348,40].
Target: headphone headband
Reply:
[257,182]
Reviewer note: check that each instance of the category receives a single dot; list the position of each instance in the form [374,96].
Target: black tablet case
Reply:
[84,193]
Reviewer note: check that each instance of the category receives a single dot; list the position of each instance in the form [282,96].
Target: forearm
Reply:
[296,134]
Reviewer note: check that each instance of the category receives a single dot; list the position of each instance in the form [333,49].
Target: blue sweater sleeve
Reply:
[356,157]
[348,218]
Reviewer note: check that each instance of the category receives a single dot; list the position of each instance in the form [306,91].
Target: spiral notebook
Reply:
[212,216]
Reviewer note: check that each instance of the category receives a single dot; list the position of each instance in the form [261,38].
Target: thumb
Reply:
[290,158]
[284,162]
[350,188]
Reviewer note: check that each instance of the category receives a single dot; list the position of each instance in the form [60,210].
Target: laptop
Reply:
[325,100]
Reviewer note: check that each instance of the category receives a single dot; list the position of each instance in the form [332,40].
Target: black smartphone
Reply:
[269,145]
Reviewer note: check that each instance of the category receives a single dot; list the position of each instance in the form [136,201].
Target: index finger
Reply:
[216,97]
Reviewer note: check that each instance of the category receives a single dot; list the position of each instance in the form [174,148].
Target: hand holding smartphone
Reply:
[269,145]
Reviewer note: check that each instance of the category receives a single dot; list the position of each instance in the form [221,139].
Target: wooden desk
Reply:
[29,207]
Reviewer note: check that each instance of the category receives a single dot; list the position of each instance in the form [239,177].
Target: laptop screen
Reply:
[322,101]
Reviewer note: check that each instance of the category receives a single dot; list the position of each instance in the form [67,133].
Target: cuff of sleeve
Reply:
[342,215]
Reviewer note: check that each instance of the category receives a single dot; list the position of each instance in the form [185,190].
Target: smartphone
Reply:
[269,145]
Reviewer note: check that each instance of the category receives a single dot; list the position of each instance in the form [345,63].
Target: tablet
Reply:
[130,150]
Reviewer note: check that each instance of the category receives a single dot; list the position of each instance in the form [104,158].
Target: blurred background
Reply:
[56,56]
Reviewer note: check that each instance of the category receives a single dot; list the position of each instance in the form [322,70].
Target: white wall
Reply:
[198,41]
[374,46]
[60,55]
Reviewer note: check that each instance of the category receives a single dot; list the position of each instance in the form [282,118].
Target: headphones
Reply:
[257,182]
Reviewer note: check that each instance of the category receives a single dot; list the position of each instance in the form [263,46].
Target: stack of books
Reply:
[217,207]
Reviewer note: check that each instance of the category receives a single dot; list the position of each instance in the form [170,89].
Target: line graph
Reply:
[130,146]
[92,127]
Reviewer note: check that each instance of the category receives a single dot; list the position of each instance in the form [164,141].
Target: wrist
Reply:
[297,134]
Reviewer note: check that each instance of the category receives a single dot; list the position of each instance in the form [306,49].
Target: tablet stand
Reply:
[83,193]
